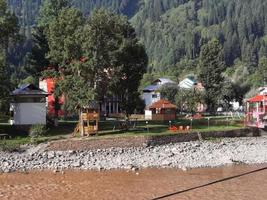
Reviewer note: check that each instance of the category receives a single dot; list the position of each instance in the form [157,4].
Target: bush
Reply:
[9,147]
[37,130]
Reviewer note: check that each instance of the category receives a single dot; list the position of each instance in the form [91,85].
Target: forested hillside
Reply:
[176,30]
[173,31]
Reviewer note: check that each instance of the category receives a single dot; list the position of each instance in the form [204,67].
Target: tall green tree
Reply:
[37,59]
[211,68]
[169,91]
[188,100]
[8,26]
[8,34]
[262,72]
[49,10]
[115,57]
[101,58]
[4,84]
[64,56]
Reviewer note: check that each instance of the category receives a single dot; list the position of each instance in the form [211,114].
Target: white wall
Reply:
[43,86]
[29,113]
[149,99]
[148,115]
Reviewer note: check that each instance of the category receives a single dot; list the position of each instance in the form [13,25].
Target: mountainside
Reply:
[173,31]
[27,10]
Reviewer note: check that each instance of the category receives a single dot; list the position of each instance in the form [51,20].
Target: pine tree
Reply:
[8,32]
[211,69]
[4,84]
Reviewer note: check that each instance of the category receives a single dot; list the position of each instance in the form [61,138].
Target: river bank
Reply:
[195,154]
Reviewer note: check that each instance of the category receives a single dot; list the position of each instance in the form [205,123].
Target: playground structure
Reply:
[256,111]
[89,120]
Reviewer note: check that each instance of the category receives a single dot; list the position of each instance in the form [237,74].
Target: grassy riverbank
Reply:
[109,129]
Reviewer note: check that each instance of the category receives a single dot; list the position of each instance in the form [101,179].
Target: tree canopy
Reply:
[172,31]
[8,34]
[97,57]
[211,68]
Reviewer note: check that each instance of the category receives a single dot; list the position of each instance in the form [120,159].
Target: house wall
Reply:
[29,113]
[163,117]
[48,86]
[151,97]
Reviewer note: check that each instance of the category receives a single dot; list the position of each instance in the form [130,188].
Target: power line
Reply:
[211,183]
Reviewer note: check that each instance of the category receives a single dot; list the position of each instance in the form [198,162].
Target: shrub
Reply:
[9,147]
[37,130]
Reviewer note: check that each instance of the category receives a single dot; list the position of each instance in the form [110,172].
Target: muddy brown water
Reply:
[144,184]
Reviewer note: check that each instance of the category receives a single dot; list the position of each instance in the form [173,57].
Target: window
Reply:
[154,96]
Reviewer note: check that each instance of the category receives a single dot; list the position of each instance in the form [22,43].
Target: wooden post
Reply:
[88,122]
[81,124]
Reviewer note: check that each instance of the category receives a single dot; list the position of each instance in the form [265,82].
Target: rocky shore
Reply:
[251,150]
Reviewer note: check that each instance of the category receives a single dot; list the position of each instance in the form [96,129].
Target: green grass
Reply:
[13,144]
[19,137]
[153,128]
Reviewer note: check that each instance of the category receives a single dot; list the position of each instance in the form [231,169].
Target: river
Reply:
[143,184]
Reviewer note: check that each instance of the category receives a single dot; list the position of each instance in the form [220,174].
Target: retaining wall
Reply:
[143,141]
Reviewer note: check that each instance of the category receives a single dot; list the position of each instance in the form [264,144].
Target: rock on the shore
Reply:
[180,155]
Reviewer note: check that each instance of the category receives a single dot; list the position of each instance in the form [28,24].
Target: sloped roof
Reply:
[28,89]
[163,104]
[151,88]
[187,83]
[163,80]
[156,86]
[257,98]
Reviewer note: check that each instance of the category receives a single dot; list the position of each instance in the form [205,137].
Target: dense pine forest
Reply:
[173,32]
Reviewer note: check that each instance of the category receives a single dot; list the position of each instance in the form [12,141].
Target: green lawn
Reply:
[139,128]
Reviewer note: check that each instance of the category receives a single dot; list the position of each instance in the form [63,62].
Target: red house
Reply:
[48,85]
[256,111]
[163,110]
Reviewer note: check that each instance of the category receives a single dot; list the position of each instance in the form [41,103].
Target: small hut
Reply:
[89,119]
[163,110]
[256,111]
[28,105]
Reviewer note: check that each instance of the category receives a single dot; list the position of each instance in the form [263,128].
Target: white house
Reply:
[151,93]
[187,83]
[190,83]
[28,105]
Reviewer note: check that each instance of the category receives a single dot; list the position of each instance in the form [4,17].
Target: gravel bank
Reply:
[181,155]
